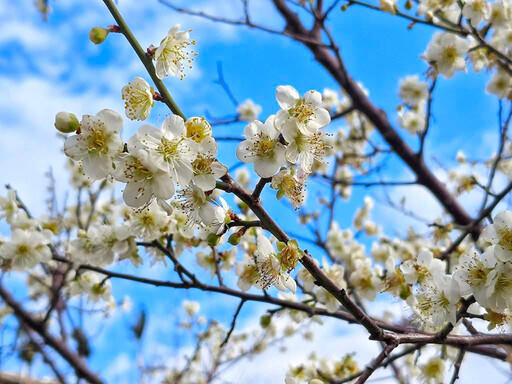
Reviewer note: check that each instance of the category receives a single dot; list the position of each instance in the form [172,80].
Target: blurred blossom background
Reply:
[48,64]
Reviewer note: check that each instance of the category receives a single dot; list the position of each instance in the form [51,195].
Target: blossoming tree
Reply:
[180,206]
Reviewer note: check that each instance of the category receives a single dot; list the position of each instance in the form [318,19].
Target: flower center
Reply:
[250,274]
[432,369]
[303,111]
[202,165]
[97,140]
[503,283]
[264,146]
[169,148]
[23,250]
[177,53]
[198,129]
[506,239]
[422,272]
[269,275]
[478,276]
[147,220]
[136,170]
[450,54]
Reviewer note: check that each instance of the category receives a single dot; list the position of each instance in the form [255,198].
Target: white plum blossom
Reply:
[196,205]
[412,120]
[169,148]
[363,214]
[138,99]
[290,184]
[198,129]
[330,98]
[437,301]
[8,206]
[225,260]
[446,53]
[173,54]
[478,57]
[247,272]
[501,13]
[269,267]
[365,279]
[335,273]
[143,179]
[388,6]
[150,223]
[262,147]
[99,244]
[476,11]
[304,148]
[423,269]
[222,216]
[472,271]
[191,307]
[499,234]
[206,168]
[432,372]
[97,143]
[248,110]
[26,249]
[303,113]
[499,287]
[92,285]
[413,91]
[500,85]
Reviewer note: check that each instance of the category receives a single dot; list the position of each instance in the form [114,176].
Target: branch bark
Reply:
[79,365]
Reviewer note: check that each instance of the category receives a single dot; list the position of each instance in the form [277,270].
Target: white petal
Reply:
[205,181]
[97,166]
[313,97]
[264,245]
[136,194]
[162,69]
[287,96]
[322,117]
[266,167]
[173,125]
[75,147]
[162,186]
[113,120]
[243,152]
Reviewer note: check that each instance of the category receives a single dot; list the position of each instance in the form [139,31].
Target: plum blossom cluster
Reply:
[173,206]
[475,31]
[291,137]
[153,163]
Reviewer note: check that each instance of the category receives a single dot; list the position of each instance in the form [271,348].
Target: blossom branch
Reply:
[146,61]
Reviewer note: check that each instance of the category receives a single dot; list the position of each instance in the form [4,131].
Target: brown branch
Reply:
[457,365]
[259,187]
[269,224]
[79,365]
[336,67]
[233,323]
[375,363]
[216,260]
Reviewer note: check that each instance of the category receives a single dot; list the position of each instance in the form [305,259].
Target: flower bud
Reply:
[234,239]
[265,321]
[98,35]
[66,122]
[213,240]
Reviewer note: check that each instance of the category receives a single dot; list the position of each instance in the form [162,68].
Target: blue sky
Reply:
[46,67]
